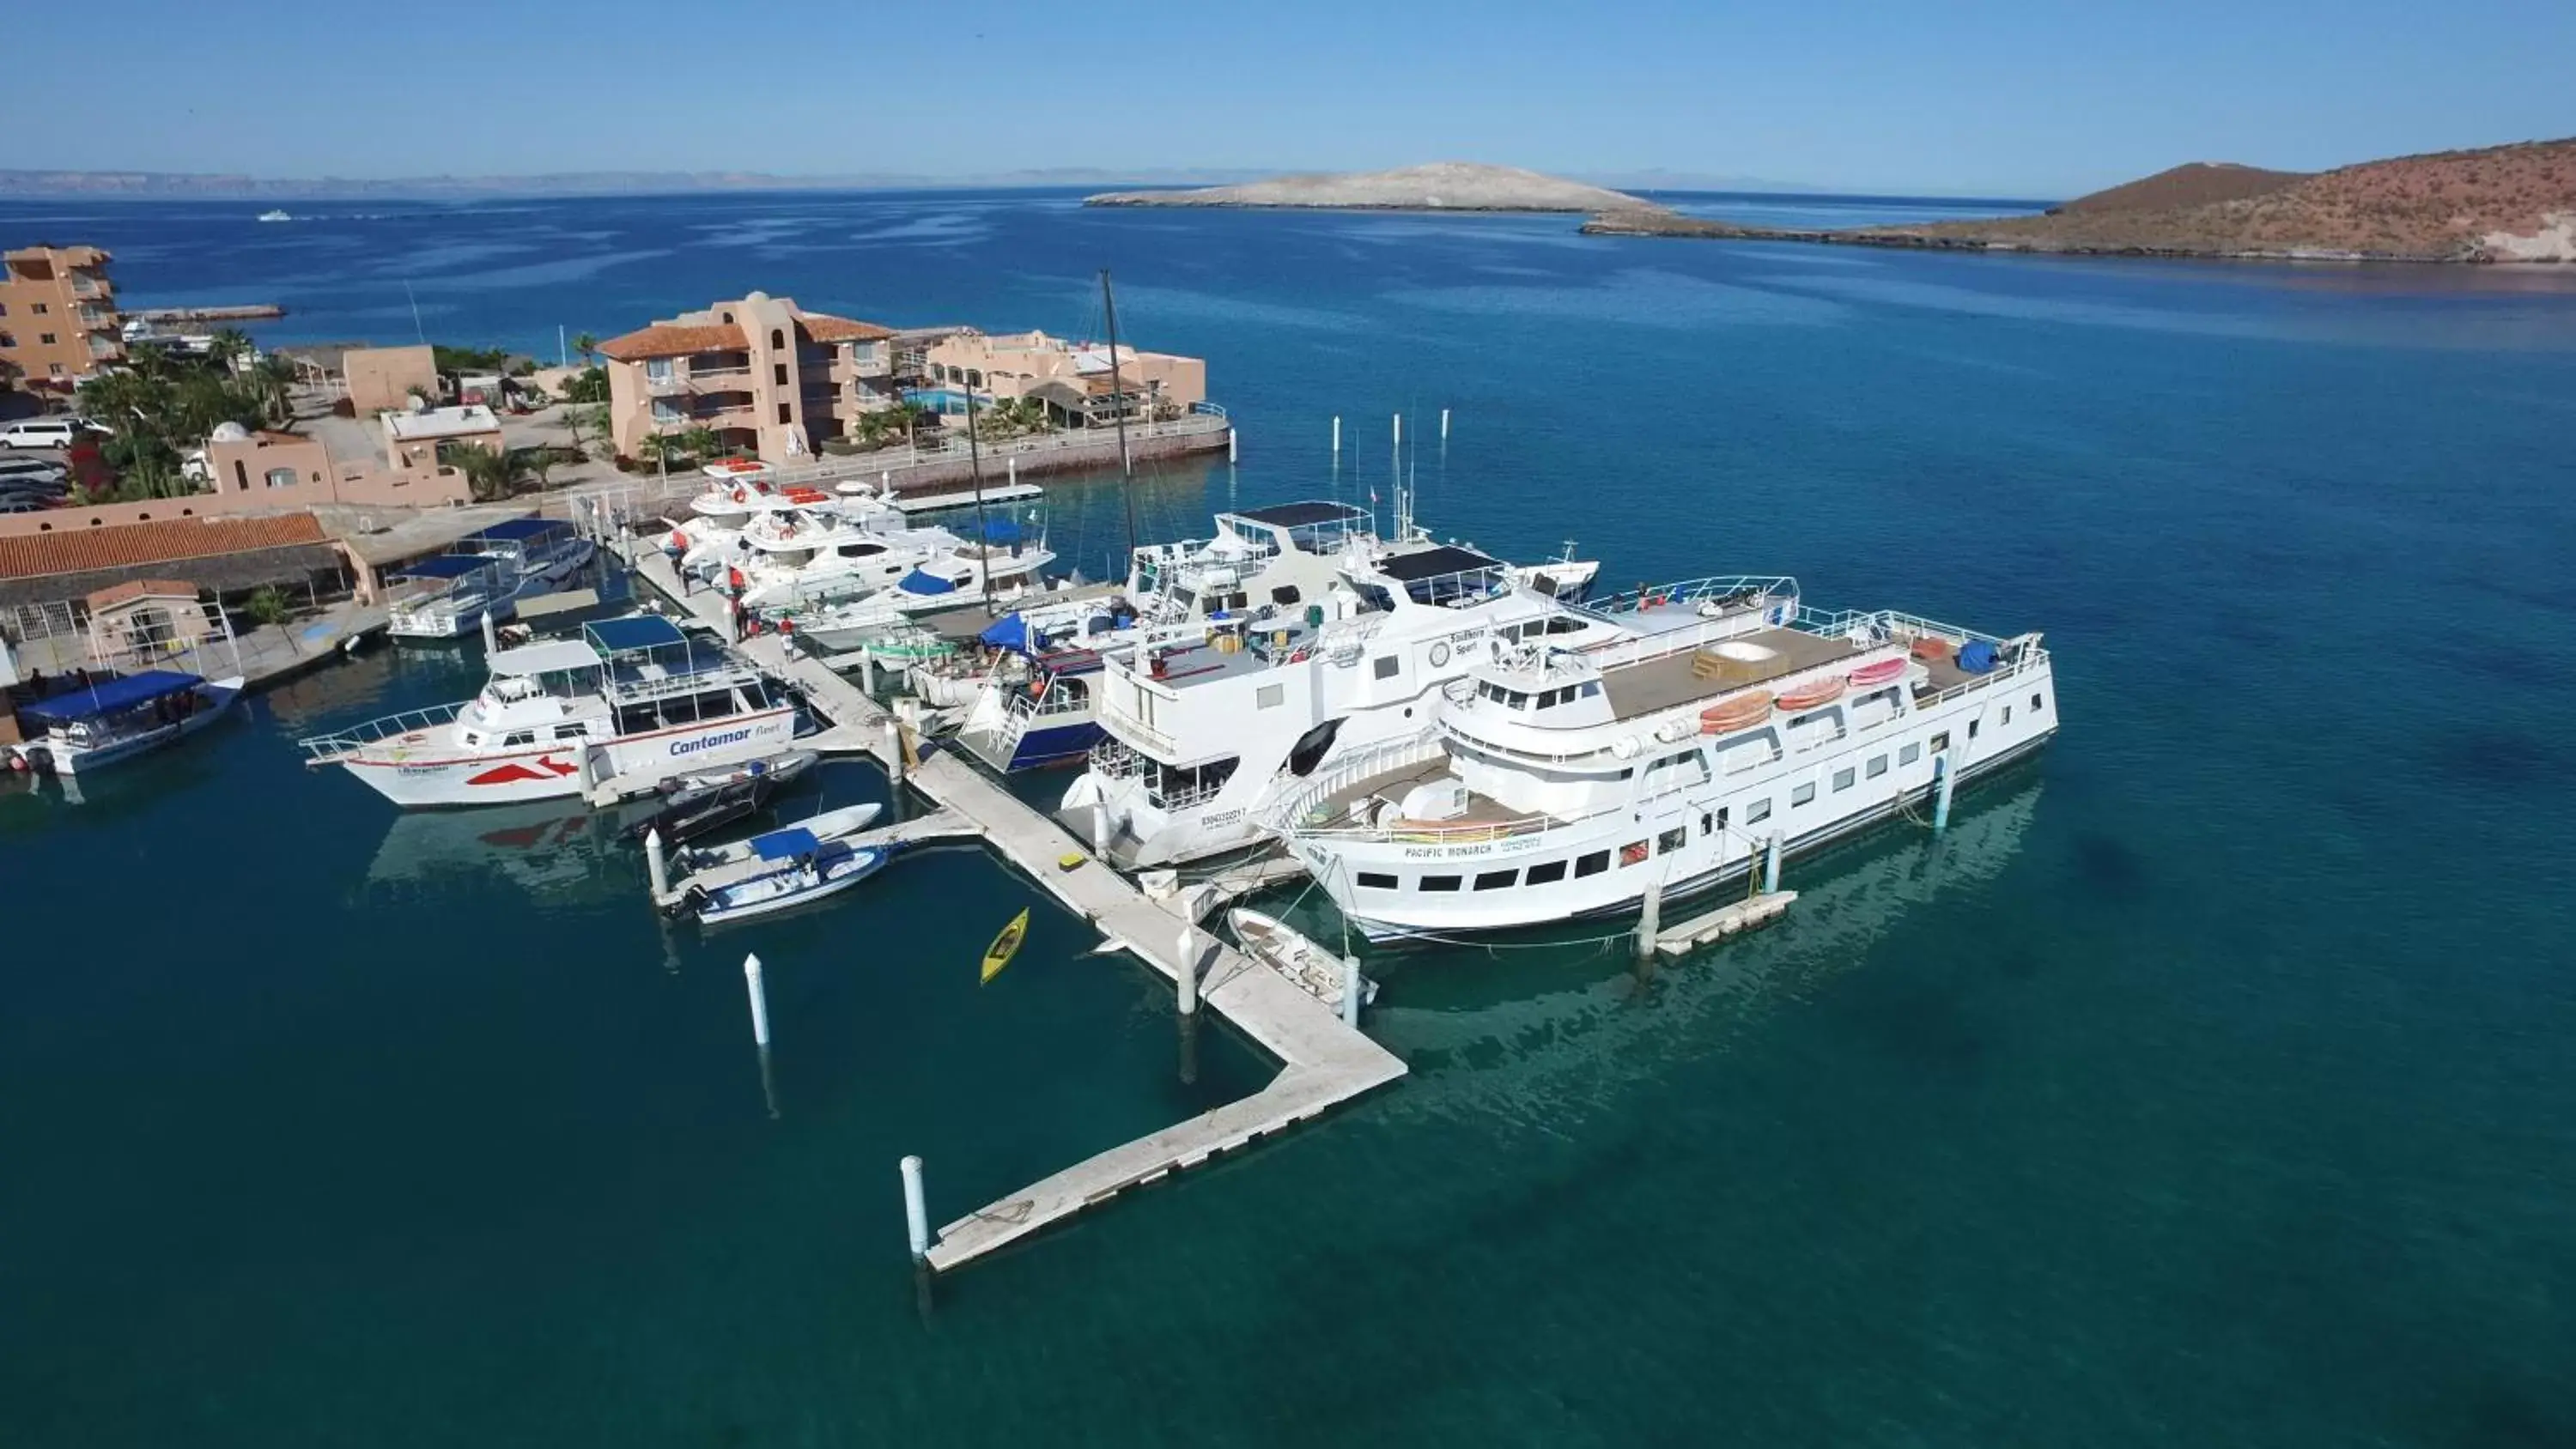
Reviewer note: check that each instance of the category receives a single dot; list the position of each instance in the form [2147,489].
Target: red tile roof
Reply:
[115,594]
[823,327]
[80,549]
[665,340]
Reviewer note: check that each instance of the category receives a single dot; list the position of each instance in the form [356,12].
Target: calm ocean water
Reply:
[2209,1083]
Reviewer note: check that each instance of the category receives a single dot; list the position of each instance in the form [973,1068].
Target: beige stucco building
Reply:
[766,376]
[1072,378]
[382,379]
[58,318]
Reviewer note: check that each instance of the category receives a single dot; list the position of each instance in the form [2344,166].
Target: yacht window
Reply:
[1707,826]
[1547,874]
[1843,779]
[861,550]
[567,732]
[1386,666]
[1672,840]
[1496,880]
[2007,714]
[1520,700]
[1486,689]
[473,741]
[1563,625]
[1758,811]
[1285,594]
[637,719]
[1186,599]
[2035,705]
[1909,754]
[1269,696]
[1877,766]
[1373,881]
[1972,728]
[680,709]
[519,737]
[1238,601]
[1632,853]
[1591,688]
[1593,864]
[962,580]
[1941,742]
[1721,817]
[1802,794]
[1439,883]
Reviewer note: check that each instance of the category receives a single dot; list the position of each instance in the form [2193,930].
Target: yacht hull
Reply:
[420,770]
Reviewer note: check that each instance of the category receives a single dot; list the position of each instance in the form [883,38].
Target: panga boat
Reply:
[117,719]
[705,809]
[1283,949]
[809,870]
[827,827]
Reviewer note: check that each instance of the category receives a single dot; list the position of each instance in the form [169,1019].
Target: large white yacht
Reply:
[1206,719]
[1561,782]
[633,696]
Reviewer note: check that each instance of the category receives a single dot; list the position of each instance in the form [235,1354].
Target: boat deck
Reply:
[1391,784]
[1650,685]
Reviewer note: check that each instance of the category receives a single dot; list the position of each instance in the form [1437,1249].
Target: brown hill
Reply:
[2194,183]
[2502,203]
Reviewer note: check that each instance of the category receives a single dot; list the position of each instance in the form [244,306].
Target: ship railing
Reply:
[1112,760]
[1714,629]
[1694,591]
[1123,722]
[330,748]
[1307,808]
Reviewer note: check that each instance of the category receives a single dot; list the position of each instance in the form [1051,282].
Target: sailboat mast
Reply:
[1118,397]
[983,530]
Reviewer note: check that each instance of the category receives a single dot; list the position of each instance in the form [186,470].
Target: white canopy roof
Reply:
[550,656]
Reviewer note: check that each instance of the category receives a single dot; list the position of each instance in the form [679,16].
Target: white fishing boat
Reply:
[1556,783]
[1313,969]
[446,595]
[809,870]
[826,826]
[112,720]
[632,697]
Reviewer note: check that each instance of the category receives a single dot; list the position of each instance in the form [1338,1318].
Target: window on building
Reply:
[281,477]
[1802,794]
[41,309]
[657,369]
[1439,883]
[1758,811]
[1672,840]
[53,369]
[786,412]
[7,341]
[1496,880]
[1547,873]
[241,477]
[45,338]
[1909,754]
[777,339]
[1593,864]
[1386,665]
[1877,766]
[1371,880]
[1269,696]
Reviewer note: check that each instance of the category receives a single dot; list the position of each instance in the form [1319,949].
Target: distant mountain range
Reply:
[186,184]
[2512,203]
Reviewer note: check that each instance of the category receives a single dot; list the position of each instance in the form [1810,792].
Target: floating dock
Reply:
[1743,915]
[1323,1062]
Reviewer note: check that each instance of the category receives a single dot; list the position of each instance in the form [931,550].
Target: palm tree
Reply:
[228,347]
[491,476]
[539,461]
[701,442]
[588,346]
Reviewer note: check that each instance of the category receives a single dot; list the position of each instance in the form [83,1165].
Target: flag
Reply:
[1005,945]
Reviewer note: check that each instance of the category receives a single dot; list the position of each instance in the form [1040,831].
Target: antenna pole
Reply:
[1118,398]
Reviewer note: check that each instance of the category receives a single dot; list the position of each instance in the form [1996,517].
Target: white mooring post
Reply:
[1399,430]
[1337,435]
[1352,991]
[1943,782]
[916,1212]
[1100,829]
[655,867]
[1189,970]
[491,638]
[868,669]
[894,756]
[1650,924]
[1444,425]
[1229,445]
[759,999]
[1013,470]
[1771,865]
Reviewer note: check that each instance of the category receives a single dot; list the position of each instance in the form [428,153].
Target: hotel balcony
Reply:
[91,289]
[720,379]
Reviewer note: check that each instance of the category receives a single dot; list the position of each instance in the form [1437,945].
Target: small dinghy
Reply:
[1315,970]
[1812,694]
[827,827]
[782,769]
[809,870]
[1742,712]
[1871,675]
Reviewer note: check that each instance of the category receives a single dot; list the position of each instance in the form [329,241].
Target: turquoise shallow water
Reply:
[2208,1083]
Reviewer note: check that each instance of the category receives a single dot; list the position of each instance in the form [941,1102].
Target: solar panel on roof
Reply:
[1432,563]
[1297,515]
[644,631]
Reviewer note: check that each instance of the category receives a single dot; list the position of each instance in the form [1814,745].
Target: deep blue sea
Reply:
[2213,1081]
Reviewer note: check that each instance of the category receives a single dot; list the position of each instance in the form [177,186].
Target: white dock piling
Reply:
[759,999]
[1771,865]
[1229,445]
[1188,975]
[1012,469]
[1444,425]
[1337,435]
[1943,782]
[491,639]
[1399,430]
[916,1212]
[894,758]
[1650,924]
[1100,830]
[1352,991]
[868,669]
[655,868]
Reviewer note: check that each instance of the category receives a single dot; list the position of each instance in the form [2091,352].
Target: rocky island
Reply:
[2499,204]
[1440,186]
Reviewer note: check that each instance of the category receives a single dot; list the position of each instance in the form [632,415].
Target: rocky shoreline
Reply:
[1670,224]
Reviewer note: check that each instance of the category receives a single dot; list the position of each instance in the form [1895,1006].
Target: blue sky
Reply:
[2005,97]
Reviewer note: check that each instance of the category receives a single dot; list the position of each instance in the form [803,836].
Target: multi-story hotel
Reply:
[765,375]
[58,317]
[1074,380]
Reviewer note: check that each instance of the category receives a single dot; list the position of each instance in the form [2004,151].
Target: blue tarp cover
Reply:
[1977,657]
[447,566]
[918,582]
[1008,632]
[110,696]
[620,636]
[520,529]
[1001,530]
[786,844]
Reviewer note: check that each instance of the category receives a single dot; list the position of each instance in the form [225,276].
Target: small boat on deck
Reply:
[111,720]
[826,827]
[706,809]
[808,870]
[1274,944]
[782,769]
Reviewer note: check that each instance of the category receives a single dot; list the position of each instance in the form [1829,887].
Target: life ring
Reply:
[1440,654]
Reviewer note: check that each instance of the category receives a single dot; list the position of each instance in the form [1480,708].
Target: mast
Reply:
[983,530]
[1118,396]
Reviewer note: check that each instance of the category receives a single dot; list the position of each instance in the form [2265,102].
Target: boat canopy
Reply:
[520,530]
[626,636]
[786,844]
[108,698]
[1002,530]
[918,582]
[1010,631]
[551,656]
[446,566]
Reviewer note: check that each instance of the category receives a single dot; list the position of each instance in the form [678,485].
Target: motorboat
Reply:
[705,809]
[108,721]
[446,596]
[808,870]
[537,554]
[826,826]
[632,697]
[1314,970]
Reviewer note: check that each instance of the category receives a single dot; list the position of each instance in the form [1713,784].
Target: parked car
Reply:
[40,433]
[43,470]
[19,503]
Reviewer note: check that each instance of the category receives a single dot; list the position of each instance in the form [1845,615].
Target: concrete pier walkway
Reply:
[1323,1063]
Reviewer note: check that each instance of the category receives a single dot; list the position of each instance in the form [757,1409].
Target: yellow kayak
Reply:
[1005,945]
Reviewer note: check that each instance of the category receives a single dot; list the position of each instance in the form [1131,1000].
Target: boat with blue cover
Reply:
[809,869]
[446,595]
[105,721]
